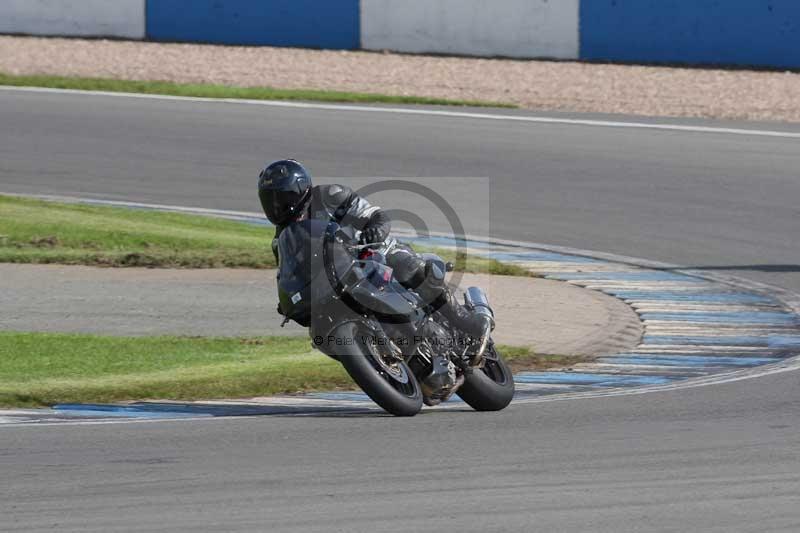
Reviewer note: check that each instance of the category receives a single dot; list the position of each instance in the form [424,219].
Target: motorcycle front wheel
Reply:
[490,388]
[387,381]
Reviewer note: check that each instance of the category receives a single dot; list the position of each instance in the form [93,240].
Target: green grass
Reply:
[38,369]
[476,264]
[38,231]
[523,359]
[35,231]
[223,91]
[42,369]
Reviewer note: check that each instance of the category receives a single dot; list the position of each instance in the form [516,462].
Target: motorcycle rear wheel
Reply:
[490,388]
[389,383]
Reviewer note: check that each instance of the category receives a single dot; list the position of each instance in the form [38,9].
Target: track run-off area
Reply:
[709,204]
[698,330]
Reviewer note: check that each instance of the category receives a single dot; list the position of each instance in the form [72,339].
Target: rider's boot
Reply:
[415,273]
[473,324]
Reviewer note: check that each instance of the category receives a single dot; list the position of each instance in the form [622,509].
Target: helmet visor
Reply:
[280,206]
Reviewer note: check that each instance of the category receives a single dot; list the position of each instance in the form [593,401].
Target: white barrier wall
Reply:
[95,18]
[512,28]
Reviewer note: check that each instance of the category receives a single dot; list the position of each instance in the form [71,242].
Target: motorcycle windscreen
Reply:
[306,253]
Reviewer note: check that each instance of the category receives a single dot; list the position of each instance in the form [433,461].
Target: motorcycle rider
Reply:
[288,195]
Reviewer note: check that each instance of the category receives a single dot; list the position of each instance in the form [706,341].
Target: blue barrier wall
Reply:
[761,33]
[304,23]
[729,32]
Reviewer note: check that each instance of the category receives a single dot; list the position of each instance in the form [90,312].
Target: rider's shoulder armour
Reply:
[336,196]
[336,200]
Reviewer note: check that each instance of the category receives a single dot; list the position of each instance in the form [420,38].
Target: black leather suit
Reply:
[340,204]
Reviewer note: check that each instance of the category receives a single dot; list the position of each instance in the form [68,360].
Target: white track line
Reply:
[789,298]
[429,112]
[140,205]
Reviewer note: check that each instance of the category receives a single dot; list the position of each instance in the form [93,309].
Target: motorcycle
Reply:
[394,344]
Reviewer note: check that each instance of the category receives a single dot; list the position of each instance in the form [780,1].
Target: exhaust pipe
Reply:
[475,299]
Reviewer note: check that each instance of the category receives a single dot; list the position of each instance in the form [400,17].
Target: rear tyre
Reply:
[490,388]
[390,383]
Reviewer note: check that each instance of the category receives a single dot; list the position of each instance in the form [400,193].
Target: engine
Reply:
[434,350]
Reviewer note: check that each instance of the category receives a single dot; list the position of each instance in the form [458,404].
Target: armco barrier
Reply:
[96,18]
[724,32]
[304,23]
[513,28]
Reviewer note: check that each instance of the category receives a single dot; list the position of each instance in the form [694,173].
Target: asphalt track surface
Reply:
[718,458]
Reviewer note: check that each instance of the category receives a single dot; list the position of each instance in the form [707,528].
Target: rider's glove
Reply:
[372,234]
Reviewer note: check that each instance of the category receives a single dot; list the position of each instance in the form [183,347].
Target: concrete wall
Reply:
[95,18]
[726,32]
[514,28]
[304,23]
[723,32]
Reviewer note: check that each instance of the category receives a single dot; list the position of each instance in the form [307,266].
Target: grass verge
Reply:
[477,264]
[38,231]
[39,369]
[224,91]
[522,359]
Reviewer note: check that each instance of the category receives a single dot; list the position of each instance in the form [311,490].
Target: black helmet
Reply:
[283,188]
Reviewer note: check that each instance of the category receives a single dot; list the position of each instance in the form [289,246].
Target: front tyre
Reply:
[490,388]
[390,383]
